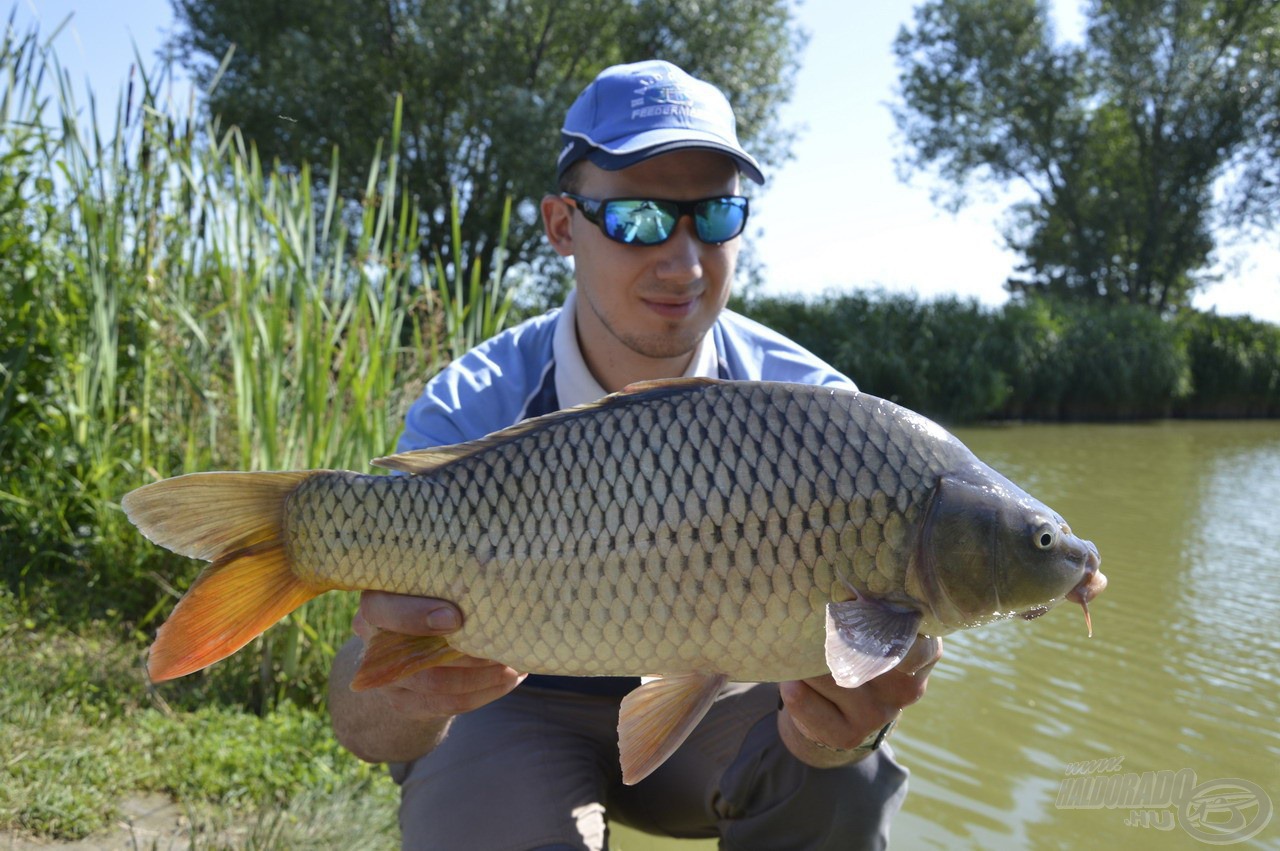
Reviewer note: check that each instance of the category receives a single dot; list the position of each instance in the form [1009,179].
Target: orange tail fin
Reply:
[235,521]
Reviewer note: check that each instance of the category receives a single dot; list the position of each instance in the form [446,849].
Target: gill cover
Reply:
[989,550]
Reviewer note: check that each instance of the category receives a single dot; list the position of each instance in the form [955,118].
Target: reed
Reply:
[172,304]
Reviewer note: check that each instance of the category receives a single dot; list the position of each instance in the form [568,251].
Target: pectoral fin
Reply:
[388,656]
[865,639]
[658,716]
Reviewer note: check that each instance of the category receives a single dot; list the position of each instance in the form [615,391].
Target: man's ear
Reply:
[557,221]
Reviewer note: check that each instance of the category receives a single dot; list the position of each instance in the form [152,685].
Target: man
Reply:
[650,213]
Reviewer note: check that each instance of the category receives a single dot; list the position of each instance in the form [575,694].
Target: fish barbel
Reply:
[698,530]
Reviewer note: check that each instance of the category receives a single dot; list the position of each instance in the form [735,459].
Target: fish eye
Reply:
[1045,537]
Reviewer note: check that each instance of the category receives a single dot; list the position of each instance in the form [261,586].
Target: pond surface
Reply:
[1183,671]
[1179,686]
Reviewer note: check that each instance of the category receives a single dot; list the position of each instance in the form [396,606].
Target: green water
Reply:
[1183,670]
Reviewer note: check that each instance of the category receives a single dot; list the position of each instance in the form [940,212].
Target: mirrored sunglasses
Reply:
[651,221]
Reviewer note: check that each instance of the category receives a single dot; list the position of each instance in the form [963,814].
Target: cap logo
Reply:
[662,97]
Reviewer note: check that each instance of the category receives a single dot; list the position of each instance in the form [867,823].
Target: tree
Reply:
[485,82]
[1123,141]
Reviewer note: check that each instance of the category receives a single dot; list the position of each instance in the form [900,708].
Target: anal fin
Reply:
[865,639]
[658,716]
[389,656]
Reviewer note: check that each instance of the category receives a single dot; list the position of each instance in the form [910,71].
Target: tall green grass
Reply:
[170,304]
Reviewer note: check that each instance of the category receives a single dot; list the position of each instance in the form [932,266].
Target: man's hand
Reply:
[407,718]
[821,723]
[445,690]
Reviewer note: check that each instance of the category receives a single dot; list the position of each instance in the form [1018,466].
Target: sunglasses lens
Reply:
[721,219]
[639,221]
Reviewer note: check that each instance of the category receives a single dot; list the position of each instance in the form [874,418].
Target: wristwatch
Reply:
[873,742]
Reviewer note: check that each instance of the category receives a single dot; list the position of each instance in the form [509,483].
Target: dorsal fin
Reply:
[664,384]
[425,460]
[428,460]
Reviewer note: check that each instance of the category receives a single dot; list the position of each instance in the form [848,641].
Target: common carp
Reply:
[698,530]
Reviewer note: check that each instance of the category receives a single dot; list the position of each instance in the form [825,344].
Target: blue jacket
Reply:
[511,377]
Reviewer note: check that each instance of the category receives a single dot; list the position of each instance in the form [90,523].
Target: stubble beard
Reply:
[680,342]
[660,346]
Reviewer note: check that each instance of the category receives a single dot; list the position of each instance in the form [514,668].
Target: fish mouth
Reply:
[1093,583]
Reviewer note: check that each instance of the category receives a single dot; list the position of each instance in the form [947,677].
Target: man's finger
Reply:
[923,654]
[409,615]
[362,627]
[804,699]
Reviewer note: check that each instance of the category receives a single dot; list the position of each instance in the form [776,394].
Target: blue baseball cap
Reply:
[630,113]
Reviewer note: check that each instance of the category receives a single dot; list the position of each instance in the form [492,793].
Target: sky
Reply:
[836,216]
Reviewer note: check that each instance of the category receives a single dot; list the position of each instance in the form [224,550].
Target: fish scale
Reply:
[737,493]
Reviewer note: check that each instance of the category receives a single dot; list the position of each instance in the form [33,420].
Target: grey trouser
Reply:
[540,768]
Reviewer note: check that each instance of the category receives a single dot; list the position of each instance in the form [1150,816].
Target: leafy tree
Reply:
[1122,140]
[485,84]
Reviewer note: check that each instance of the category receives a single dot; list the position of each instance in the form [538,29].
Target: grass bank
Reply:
[80,730]
[82,733]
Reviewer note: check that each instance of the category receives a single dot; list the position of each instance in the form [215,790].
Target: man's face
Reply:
[642,310]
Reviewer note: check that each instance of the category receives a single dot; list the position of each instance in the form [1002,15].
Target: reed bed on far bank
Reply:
[1035,359]
[170,304]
